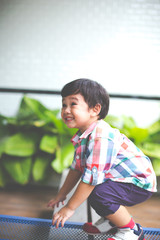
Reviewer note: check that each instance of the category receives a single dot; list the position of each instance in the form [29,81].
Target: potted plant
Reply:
[33,143]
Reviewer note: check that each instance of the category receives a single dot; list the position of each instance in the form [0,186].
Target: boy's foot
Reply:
[129,234]
[102,226]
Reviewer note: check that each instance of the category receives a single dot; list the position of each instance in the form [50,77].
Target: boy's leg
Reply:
[108,200]
[121,218]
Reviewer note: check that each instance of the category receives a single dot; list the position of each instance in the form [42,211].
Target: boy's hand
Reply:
[56,201]
[62,216]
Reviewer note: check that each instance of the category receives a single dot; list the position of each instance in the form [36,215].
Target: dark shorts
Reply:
[107,197]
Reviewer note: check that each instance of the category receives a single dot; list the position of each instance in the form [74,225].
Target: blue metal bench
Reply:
[23,228]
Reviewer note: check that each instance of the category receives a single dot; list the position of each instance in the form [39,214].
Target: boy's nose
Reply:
[67,110]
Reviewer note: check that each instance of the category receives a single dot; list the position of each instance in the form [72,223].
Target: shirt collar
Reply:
[78,136]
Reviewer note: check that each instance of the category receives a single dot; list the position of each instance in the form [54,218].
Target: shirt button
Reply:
[94,170]
[77,156]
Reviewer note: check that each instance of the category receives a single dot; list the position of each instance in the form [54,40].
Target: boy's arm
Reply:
[70,181]
[80,195]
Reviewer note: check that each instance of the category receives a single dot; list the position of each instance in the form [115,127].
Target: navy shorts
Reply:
[107,197]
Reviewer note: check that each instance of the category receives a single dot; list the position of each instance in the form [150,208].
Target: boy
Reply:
[114,173]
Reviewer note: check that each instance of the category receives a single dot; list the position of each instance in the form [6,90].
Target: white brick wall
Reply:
[46,43]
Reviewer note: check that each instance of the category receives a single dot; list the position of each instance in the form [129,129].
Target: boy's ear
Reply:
[97,109]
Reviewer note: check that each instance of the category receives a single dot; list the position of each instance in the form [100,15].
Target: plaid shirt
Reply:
[102,153]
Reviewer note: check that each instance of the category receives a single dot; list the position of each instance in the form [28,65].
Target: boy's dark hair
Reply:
[92,92]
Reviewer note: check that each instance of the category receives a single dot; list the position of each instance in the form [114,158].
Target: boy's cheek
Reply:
[62,116]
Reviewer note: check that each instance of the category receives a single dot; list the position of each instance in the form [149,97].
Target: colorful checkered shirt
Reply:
[102,153]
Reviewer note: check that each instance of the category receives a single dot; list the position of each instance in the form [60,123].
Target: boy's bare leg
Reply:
[120,218]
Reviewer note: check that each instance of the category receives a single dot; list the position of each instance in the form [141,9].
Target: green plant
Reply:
[36,141]
[32,142]
[147,139]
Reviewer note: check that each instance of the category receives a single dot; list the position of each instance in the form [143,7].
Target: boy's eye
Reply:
[73,103]
[64,105]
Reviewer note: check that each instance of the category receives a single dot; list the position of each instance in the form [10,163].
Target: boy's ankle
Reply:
[130,225]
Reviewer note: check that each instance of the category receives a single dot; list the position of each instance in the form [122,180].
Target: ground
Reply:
[31,201]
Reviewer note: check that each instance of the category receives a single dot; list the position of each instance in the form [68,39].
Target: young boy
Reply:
[113,172]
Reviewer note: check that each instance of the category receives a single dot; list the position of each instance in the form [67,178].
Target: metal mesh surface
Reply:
[22,228]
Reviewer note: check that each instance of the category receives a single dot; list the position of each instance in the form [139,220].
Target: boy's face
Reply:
[76,113]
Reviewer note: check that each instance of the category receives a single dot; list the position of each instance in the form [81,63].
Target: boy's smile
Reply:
[76,112]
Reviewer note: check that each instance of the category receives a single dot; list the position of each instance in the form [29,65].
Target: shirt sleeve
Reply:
[100,157]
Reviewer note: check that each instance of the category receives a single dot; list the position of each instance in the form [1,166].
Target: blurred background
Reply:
[45,44]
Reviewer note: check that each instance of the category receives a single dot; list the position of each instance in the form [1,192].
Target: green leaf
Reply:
[38,123]
[26,115]
[35,107]
[151,149]
[56,112]
[48,143]
[64,158]
[154,128]
[156,166]
[7,120]
[4,134]
[138,134]
[41,112]
[154,138]
[18,168]
[58,123]
[40,167]
[43,115]
[21,144]
[2,119]
[67,155]
[25,112]
[3,178]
